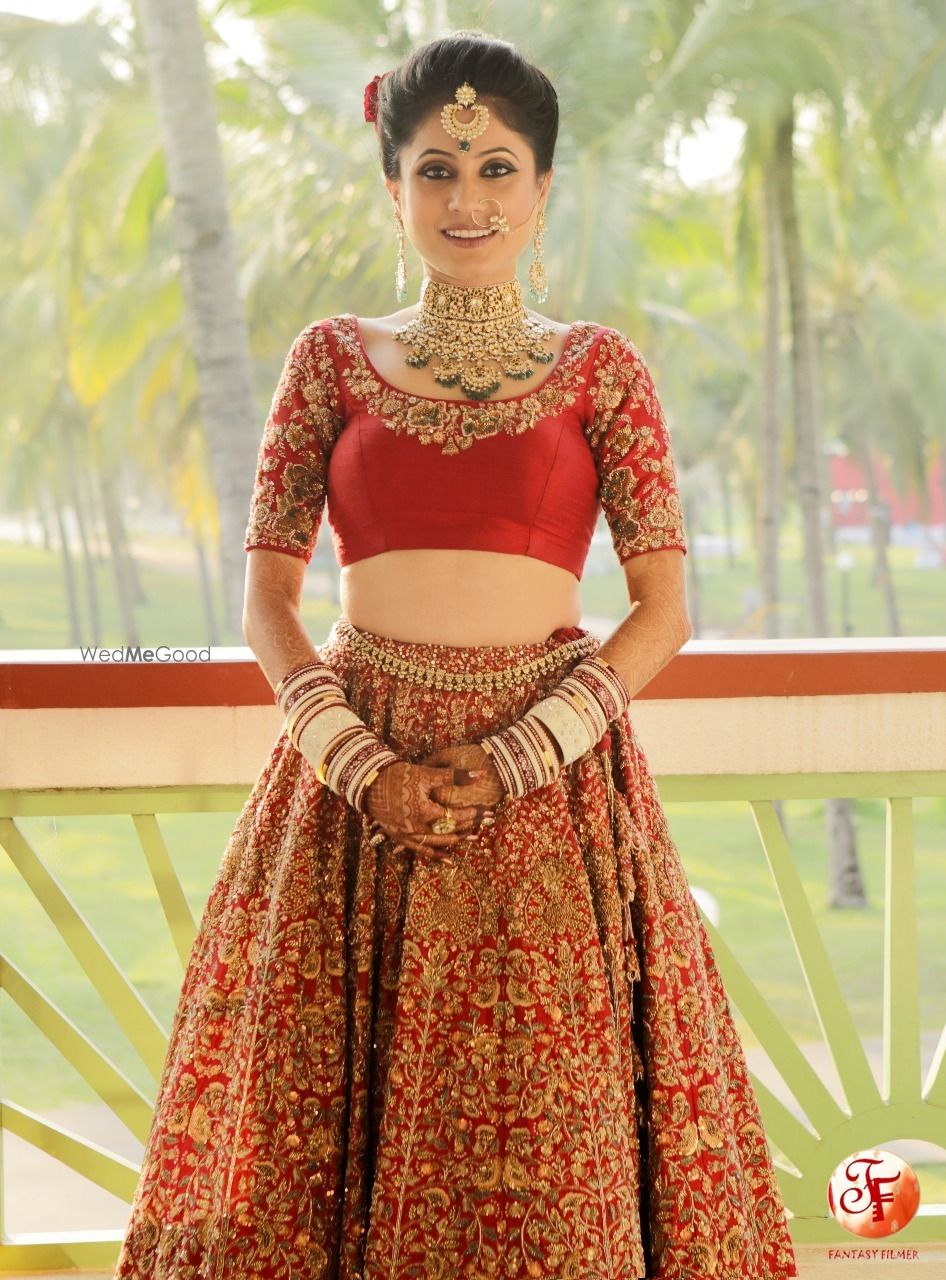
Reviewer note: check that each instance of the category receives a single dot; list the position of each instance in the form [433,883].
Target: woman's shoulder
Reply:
[617,355]
[612,340]
[322,328]
[602,342]
[325,341]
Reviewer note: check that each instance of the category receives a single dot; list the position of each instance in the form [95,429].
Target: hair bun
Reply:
[371,98]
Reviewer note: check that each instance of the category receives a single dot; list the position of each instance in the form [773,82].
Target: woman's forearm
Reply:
[645,641]
[275,633]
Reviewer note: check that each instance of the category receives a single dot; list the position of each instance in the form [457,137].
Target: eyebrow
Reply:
[436,152]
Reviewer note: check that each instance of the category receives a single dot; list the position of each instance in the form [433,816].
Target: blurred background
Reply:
[754,192]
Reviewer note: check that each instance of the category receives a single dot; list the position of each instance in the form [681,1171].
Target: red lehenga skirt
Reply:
[382,1067]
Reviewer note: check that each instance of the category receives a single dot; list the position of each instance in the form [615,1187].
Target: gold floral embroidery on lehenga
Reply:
[455,424]
[523,1067]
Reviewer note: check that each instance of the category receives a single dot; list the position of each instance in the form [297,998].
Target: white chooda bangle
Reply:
[576,714]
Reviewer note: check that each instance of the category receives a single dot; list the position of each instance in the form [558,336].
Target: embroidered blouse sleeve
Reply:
[630,440]
[303,423]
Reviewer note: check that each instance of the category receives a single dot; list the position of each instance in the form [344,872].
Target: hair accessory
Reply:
[465,99]
[371,98]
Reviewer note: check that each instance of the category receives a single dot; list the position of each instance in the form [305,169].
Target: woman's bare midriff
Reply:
[459,597]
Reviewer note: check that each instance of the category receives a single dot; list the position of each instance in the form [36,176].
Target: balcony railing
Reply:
[756,723]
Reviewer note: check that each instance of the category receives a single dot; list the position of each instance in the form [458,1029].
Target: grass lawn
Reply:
[921,593]
[33,612]
[722,855]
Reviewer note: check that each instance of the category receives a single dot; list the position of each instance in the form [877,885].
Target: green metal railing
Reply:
[902,1106]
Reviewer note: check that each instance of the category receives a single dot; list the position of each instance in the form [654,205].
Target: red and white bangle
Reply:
[524,754]
[346,755]
[576,714]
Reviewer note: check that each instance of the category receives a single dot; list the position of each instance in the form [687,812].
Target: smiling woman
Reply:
[442,199]
[451,1010]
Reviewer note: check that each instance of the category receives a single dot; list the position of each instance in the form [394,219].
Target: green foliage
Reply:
[102,382]
[33,613]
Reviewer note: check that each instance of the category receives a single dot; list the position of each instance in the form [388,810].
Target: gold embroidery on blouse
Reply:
[303,423]
[629,437]
[455,424]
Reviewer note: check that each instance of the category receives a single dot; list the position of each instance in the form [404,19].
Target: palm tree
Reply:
[765,56]
[174,42]
[56,81]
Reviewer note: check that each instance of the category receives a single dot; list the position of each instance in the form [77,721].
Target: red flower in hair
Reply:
[371,98]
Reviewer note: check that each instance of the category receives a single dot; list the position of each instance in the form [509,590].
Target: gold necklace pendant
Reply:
[470,330]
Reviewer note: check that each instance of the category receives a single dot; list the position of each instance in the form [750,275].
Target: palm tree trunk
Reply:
[770,446]
[880,540]
[206,592]
[845,882]
[68,576]
[807,433]
[123,583]
[725,488]
[184,97]
[42,513]
[132,571]
[78,506]
[86,479]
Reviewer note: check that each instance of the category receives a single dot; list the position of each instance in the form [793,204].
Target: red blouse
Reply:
[523,475]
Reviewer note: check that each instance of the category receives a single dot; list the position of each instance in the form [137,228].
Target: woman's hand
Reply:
[400,801]
[485,790]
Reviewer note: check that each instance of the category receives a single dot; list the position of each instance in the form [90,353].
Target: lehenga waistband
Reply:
[444,666]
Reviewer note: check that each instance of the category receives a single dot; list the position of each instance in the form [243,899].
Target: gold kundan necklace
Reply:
[470,330]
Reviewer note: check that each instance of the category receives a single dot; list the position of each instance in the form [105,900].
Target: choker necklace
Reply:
[470,329]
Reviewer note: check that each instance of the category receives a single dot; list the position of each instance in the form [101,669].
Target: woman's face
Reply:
[442,186]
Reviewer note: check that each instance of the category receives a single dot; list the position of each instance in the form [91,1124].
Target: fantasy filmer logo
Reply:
[873,1194]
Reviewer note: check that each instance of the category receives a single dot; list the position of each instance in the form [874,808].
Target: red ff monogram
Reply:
[873,1193]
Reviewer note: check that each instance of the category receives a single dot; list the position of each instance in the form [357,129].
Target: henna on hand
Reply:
[400,801]
[487,790]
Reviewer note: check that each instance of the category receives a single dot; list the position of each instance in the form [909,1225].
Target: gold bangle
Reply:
[546,733]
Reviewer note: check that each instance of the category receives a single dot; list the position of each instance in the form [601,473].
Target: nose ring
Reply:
[497,220]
